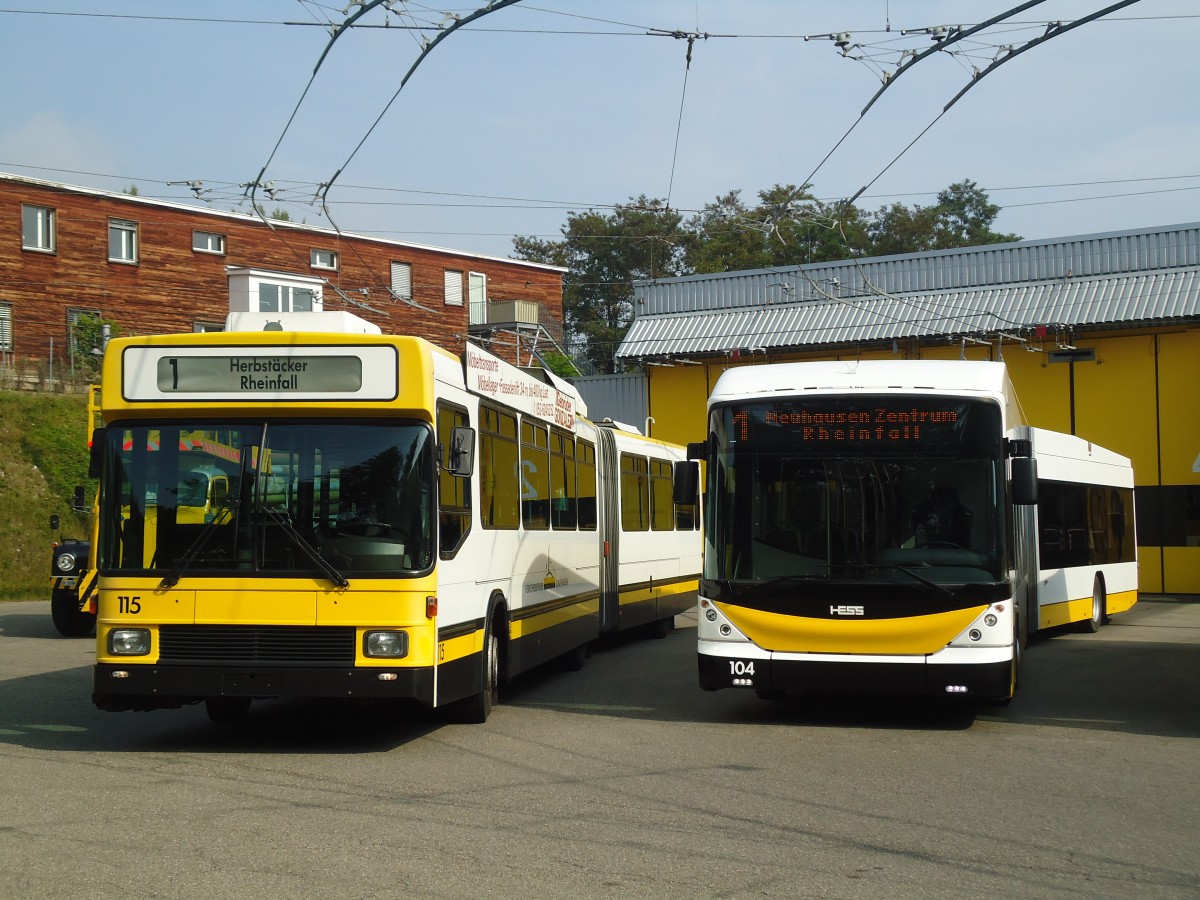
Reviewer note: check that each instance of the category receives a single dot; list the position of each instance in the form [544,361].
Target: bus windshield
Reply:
[286,498]
[875,488]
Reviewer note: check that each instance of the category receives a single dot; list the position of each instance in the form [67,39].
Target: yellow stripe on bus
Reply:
[459,647]
[910,635]
[557,616]
[1069,611]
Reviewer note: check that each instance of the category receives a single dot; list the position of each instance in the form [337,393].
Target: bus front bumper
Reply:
[982,673]
[116,688]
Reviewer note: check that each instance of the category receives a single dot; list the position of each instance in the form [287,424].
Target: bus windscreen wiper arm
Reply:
[198,543]
[921,578]
[309,550]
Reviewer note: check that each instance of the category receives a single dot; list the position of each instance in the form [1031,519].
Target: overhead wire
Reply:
[1053,32]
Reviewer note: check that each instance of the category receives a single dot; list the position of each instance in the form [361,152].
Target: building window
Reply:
[6,333]
[208,242]
[122,241]
[454,288]
[37,228]
[402,280]
[477,292]
[324,259]
[284,298]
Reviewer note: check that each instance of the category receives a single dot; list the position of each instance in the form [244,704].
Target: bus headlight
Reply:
[385,644]
[990,620]
[129,641]
[65,562]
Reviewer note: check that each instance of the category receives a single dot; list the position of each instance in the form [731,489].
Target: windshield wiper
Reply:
[940,588]
[199,543]
[286,526]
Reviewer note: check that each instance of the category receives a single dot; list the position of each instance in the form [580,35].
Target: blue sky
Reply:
[557,105]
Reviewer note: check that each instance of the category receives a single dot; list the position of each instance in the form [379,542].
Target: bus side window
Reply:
[454,491]
[585,458]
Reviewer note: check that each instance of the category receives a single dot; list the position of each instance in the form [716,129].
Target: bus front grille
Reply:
[257,645]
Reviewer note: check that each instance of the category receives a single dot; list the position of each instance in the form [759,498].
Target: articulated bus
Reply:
[324,511]
[897,527]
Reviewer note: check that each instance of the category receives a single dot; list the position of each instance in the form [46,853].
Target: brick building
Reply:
[149,266]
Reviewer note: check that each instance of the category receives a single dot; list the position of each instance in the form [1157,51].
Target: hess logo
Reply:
[846,611]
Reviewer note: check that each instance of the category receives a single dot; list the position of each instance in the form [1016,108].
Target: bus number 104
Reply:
[738,667]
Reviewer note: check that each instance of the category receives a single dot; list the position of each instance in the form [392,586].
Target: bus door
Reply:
[609,526]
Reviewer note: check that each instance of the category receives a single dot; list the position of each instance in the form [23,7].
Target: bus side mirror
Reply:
[685,482]
[77,500]
[1024,481]
[53,522]
[96,453]
[697,450]
[462,451]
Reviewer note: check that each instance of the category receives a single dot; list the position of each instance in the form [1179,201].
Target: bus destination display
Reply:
[320,374]
[286,374]
[866,423]
[876,424]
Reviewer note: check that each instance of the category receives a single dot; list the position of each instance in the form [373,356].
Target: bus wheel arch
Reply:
[475,709]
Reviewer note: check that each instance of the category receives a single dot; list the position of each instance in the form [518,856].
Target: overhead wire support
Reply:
[1054,30]
[427,48]
[941,43]
[951,37]
[691,37]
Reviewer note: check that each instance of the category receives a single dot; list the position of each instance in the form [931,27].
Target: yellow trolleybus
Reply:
[319,510]
[896,526]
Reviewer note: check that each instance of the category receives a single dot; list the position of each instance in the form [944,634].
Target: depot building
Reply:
[1100,333]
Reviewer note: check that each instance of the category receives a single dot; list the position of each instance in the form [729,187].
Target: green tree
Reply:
[788,227]
[87,344]
[962,217]
[604,254]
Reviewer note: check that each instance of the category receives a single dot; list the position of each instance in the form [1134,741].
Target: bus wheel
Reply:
[227,710]
[474,710]
[1092,625]
[70,622]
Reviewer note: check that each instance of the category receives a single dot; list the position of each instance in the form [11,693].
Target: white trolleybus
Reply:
[895,526]
[315,512]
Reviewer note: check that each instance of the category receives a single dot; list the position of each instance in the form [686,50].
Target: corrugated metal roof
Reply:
[1121,278]
[1008,309]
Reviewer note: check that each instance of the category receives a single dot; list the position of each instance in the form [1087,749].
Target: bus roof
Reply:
[955,376]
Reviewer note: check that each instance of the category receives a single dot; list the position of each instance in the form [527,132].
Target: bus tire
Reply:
[68,619]
[227,710]
[1092,624]
[474,710]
